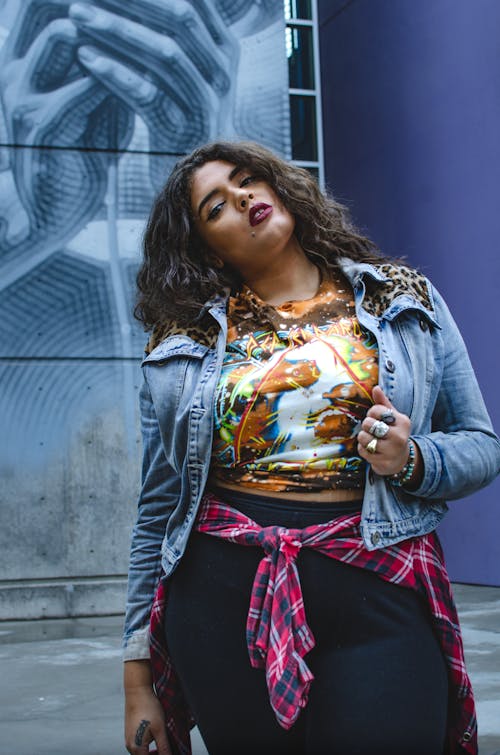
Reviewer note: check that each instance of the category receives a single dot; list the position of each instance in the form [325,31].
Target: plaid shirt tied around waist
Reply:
[278,636]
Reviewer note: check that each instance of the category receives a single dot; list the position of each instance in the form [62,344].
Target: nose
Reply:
[244,200]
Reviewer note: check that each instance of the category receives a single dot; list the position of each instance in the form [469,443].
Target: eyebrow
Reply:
[234,172]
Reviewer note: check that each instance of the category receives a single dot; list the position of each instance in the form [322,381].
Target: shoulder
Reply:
[395,280]
[204,331]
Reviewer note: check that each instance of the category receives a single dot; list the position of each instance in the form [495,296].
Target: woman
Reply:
[307,407]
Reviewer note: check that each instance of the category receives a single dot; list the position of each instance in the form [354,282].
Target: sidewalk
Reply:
[60,686]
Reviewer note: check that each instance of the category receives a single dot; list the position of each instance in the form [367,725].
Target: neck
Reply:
[296,278]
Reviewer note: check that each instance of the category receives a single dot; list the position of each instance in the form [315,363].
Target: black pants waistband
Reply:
[271,511]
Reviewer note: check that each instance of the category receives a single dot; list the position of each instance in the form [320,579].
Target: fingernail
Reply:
[87,54]
[80,12]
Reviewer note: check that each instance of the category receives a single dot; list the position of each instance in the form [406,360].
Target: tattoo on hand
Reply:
[139,734]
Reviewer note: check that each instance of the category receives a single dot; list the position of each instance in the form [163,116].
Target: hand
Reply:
[50,100]
[392,450]
[144,723]
[80,83]
[167,62]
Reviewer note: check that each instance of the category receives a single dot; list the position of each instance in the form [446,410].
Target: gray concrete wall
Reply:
[94,112]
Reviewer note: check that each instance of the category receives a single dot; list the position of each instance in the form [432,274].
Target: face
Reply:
[240,218]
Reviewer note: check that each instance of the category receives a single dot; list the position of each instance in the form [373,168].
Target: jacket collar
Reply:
[355,271]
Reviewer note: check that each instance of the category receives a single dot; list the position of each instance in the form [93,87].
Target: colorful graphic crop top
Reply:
[296,383]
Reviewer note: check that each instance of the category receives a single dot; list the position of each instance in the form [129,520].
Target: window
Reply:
[302,50]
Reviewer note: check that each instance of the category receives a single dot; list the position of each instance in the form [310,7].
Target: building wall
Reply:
[411,107]
[94,112]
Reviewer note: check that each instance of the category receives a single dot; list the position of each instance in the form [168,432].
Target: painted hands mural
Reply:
[152,75]
[98,100]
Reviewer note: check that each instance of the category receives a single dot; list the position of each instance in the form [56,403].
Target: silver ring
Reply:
[372,446]
[379,429]
[388,417]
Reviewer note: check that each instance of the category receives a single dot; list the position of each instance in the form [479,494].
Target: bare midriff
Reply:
[326,496]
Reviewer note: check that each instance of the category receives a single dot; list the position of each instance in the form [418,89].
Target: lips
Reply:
[259,212]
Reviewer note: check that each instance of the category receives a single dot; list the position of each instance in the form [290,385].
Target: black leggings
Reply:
[380,684]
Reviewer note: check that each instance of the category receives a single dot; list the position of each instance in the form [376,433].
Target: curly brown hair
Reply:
[178,275]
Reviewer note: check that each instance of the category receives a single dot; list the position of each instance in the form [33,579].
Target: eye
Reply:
[216,209]
[247,180]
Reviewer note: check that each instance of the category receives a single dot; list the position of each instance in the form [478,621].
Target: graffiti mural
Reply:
[98,100]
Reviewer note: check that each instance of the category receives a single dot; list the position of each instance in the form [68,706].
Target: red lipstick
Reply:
[259,212]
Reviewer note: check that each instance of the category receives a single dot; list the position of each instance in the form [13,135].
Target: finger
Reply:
[157,14]
[125,82]
[61,118]
[49,57]
[161,740]
[133,87]
[366,454]
[188,122]
[217,19]
[30,16]
[157,50]
[379,397]
[364,438]
[165,60]
[376,427]
[388,416]
[382,408]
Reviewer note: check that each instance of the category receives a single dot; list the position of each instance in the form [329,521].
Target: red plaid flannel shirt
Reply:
[278,635]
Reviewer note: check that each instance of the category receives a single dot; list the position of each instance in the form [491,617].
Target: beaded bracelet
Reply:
[404,476]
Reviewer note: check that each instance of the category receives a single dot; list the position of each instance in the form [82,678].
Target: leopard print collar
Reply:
[389,282]
[396,280]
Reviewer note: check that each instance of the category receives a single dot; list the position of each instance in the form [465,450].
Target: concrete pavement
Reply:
[60,688]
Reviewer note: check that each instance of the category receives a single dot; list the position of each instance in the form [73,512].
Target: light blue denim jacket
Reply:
[424,370]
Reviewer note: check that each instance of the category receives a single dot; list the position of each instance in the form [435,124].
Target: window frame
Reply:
[312,24]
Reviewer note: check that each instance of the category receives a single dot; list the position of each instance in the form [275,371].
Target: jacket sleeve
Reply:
[158,498]
[462,453]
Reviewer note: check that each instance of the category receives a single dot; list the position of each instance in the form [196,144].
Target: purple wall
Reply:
[411,106]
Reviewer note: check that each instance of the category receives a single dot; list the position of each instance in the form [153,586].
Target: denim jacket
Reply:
[425,371]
